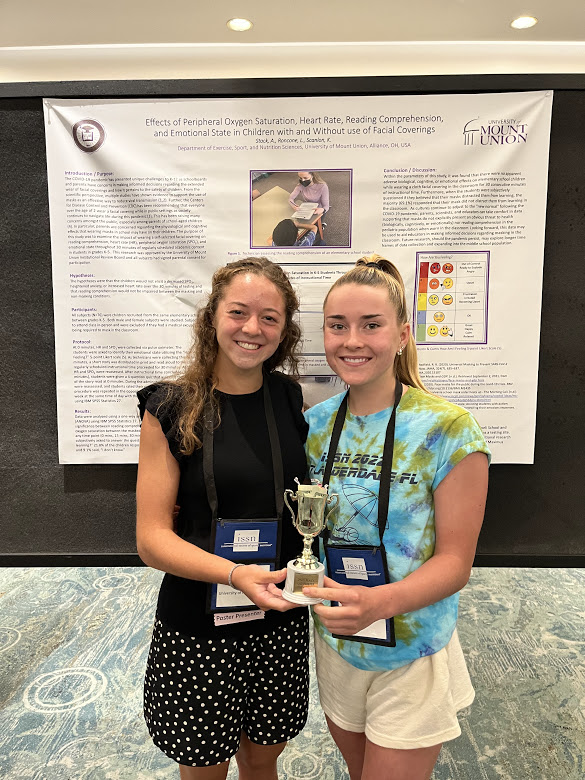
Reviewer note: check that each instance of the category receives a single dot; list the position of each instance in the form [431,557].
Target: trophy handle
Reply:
[333,500]
[290,509]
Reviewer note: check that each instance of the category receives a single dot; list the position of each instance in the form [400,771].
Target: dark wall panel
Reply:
[45,508]
[535,514]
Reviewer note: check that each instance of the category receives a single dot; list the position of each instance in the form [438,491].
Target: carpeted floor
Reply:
[73,645]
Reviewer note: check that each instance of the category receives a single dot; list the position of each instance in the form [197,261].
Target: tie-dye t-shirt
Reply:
[432,436]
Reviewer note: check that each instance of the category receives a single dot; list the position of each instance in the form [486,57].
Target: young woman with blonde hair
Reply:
[410,470]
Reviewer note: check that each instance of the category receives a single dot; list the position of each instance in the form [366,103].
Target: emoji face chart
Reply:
[459,301]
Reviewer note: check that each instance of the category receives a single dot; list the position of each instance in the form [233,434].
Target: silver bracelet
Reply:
[234,567]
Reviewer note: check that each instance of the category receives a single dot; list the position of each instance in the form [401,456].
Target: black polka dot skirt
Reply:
[200,694]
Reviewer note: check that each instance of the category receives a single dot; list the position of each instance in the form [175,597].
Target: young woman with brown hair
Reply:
[227,672]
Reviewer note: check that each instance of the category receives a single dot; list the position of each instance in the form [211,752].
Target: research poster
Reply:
[147,197]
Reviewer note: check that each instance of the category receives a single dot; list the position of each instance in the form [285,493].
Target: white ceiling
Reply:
[64,39]
[69,22]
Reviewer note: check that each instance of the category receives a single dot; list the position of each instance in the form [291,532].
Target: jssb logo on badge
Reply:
[246,541]
[355,568]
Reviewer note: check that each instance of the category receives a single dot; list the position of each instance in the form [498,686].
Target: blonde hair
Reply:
[376,271]
[197,383]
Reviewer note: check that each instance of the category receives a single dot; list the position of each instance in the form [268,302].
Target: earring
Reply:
[400,351]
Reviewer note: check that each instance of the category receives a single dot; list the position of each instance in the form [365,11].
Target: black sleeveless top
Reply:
[245,488]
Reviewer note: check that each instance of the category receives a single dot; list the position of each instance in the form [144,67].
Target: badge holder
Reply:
[242,541]
[367,566]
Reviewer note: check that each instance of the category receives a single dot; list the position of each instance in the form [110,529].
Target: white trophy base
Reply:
[297,578]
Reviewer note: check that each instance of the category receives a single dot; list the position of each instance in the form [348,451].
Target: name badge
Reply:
[246,541]
[356,565]
[228,598]
[255,540]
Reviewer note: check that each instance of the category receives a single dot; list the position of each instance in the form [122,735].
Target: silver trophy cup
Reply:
[310,519]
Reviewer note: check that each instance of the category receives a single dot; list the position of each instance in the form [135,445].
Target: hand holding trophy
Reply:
[306,570]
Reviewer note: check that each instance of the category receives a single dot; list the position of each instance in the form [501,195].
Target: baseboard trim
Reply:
[530,561]
[106,560]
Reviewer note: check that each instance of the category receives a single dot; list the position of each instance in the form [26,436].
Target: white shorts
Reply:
[414,706]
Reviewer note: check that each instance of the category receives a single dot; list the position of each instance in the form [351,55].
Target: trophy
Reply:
[306,570]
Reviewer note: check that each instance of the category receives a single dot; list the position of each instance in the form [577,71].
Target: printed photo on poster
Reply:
[300,209]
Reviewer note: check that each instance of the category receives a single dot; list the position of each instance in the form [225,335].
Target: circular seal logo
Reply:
[88,135]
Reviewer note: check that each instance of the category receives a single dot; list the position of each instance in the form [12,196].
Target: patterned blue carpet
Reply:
[73,645]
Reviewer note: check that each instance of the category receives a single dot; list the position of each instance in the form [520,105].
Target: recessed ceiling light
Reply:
[239,25]
[523,22]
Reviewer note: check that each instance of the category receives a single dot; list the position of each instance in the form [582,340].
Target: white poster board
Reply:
[148,197]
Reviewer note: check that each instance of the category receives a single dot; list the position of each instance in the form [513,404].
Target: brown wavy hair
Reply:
[376,271]
[196,383]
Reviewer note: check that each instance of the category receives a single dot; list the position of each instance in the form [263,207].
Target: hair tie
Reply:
[371,264]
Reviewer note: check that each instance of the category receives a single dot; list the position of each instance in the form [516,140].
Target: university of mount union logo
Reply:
[88,135]
[497,132]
